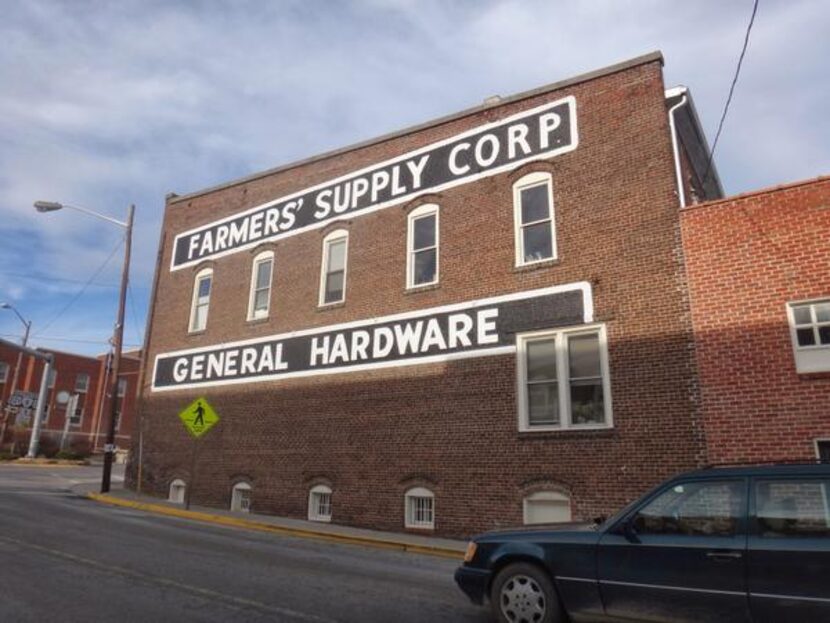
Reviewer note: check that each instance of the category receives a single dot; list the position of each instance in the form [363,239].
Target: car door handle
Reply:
[724,555]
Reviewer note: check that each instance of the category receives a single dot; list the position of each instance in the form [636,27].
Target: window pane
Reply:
[204,287]
[547,511]
[583,355]
[806,337]
[334,287]
[263,274]
[541,360]
[424,234]
[801,314]
[793,508]
[337,256]
[694,509]
[824,334]
[261,300]
[537,242]
[587,402]
[424,268]
[823,312]
[535,206]
[200,317]
[543,403]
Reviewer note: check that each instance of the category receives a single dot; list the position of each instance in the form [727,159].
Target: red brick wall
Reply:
[450,426]
[92,428]
[746,258]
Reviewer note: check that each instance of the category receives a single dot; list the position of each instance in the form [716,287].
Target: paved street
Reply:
[69,559]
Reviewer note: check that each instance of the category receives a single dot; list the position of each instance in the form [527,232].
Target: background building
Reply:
[759,279]
[77,374]
[474,322]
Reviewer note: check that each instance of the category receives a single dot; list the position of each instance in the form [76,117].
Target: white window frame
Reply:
[314,505]
[177,492]
[410,498]
[563,379]
[262,258]
[808,359]
[335,236]
[545,496]
[121,387]
[429,209]
[532,179]
[236,497]
[80,412]
[202,274]
[85,389]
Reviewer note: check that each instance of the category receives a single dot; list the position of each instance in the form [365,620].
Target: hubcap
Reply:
[522,600]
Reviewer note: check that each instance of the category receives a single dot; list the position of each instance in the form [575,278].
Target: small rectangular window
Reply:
[77,417]
[335,250]
[422,243]
[4,372]
[320,505]
[122,387]
[82,383]
[793,508]
[53,378]
[420,508]
[534,219]
[261,275]
[810,333]
[823,450]
[118,420]
[563,379]
[201,300]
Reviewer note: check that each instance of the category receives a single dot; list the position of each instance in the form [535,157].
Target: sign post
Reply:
[198,418]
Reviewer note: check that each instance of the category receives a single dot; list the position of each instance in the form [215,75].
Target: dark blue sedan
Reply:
[719,544]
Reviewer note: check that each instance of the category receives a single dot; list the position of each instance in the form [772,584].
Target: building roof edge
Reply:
[761,191]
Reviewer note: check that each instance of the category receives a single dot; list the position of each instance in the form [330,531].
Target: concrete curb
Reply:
[250,524]
[44,463]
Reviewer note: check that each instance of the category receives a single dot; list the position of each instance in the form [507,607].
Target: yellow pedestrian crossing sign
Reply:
[198,417]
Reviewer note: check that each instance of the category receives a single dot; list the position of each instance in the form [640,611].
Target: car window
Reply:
[711,508]
[793,508]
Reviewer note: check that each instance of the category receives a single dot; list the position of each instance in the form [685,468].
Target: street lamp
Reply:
[109,448]
[28,325]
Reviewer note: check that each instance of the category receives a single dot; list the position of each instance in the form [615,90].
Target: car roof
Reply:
[787,469]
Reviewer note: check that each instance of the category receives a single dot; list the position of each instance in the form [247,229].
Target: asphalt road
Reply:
[65,558]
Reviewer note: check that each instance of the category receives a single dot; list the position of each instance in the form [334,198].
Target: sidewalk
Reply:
[447,548]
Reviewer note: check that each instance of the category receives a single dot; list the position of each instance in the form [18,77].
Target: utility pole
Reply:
[16,376]
[109,448]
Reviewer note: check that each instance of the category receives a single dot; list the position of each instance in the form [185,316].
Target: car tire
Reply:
[524,593]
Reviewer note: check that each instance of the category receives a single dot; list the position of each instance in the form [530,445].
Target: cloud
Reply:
[107,104]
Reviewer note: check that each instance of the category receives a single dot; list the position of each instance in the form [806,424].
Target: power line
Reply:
[34,277]
[65,339]
[731,91]
[80,292]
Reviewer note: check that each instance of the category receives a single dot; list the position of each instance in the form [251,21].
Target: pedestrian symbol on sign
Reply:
[198,417]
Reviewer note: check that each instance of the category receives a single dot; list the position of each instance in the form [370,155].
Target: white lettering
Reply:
[192,244]
[460,326]
[239,233]
[255,229]
[517,135]
[321,351]
[341,206]
[360,344]
[397,189]
[380,180]
[361,186]
[493,141]
[433,336]
[207,243]
[196,367]
[323,203]
[230,362]
[215,363]
[408,336]
[547,124]
[248,365]
[416,169]
[454,168]
[487,326]
[339,349]
[381,349]
[221,237]
[180,370]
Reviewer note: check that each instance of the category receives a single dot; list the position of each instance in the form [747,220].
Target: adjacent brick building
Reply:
[76,374]
[759,277]
[470,323]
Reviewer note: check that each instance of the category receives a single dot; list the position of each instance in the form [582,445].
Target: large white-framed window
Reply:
[810,333]
[422,245]
[546,507]
[178,488]
[319,503]
[202,286]
[535,225]
[241,497]
[563,379]
[82,383]
[4,372]
[419,505]
[259,299]
[333,271]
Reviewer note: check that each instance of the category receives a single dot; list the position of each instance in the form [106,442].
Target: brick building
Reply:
[759,278]
[76,374]
[478,321]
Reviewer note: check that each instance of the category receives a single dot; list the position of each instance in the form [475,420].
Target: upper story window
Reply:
[534,222]
[82,383]
[53,377]
[420,508]
[261,273]
[333,274]
[563,379]
[76,418]
[4,372]
[122,387]
[202,286]
[422,247]
[810,333]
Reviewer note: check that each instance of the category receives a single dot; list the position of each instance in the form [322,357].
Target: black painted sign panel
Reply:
[471,329]
[541,132]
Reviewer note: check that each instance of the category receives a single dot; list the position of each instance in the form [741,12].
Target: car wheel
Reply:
[523,593]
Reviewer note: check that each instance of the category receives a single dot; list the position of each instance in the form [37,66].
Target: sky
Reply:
[105,104]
